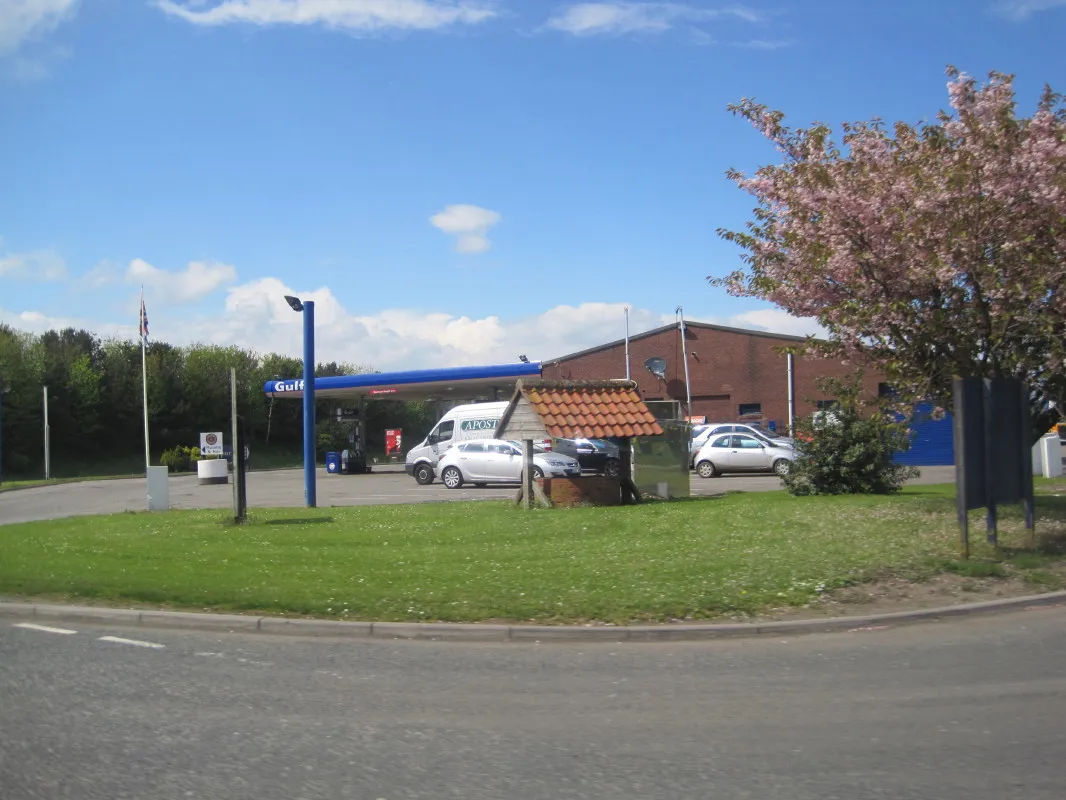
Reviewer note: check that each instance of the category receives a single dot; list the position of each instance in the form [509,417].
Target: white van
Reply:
[460,424]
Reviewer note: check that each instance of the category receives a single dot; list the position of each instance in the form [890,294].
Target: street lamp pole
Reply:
[47,442]
[310,490]
[308,309]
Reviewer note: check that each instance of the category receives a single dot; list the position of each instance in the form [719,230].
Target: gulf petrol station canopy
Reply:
[495,382]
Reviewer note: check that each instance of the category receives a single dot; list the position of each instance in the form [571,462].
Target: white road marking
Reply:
[134,642]
[45,628]
[241,660]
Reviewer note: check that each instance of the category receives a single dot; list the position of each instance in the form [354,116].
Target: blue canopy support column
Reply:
[310,489]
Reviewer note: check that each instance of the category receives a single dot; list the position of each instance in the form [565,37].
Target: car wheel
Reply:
[612,468]
[782,467]
[705,469]
[423,474]
[452,477]
[538,473]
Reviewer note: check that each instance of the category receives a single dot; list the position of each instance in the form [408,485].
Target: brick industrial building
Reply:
[733,374]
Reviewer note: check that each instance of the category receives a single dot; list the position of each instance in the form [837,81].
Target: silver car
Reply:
[485,461]
[701,433]
[738,452]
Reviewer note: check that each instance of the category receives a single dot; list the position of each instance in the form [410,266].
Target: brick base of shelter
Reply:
[592,490]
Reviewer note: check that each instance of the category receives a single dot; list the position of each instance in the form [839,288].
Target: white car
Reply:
[496,461]
[738,452]
[701,433]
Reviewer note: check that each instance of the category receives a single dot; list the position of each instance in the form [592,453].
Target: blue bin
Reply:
[333,463]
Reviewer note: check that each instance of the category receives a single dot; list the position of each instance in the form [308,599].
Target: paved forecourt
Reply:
[284,488]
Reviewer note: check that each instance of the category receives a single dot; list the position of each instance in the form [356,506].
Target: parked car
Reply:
[594,455]
[738,452]
[487,461]
[472,421]
[701,433]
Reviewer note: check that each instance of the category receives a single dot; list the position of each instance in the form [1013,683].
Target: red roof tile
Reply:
[590,410]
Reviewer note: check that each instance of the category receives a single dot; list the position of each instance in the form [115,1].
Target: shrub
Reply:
[180,459]
[844,451]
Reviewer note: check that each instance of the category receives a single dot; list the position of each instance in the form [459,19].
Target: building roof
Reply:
[673,327]
[586,409]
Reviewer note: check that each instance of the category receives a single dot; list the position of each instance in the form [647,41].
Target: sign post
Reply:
[240,501]
[993,454]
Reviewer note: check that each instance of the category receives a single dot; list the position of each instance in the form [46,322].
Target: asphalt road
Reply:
[962,710]
[285,488]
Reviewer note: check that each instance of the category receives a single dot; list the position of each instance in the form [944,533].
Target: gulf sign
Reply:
[288,386]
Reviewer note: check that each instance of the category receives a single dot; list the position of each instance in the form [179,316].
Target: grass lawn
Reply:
[697,558]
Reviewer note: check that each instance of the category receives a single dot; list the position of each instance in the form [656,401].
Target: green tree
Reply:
[849,448]
[22,423]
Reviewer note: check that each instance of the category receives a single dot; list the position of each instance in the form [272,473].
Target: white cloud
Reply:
[775,320]
[37,322]
[196,281]
[255,315]
[619,18]
[366,16]
[765,44]
[103,274]
[468,224]
[23,21]
[1021,10]
[37,265]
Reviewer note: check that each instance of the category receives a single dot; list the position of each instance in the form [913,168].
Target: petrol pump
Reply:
[353,460]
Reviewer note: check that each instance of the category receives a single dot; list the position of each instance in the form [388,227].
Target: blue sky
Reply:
[453,182]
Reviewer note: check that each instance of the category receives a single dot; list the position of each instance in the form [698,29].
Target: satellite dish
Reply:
[657,367]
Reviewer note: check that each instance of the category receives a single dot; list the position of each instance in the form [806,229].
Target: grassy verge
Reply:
[1049,485]
[701,558]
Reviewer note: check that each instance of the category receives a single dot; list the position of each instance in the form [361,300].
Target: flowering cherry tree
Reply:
[930,251]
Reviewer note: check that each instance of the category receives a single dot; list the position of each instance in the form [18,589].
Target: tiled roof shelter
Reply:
[571,409]
[584,409]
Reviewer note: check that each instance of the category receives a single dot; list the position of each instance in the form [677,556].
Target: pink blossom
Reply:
[933,250]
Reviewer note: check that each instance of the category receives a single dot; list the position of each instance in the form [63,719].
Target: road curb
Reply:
[473,632]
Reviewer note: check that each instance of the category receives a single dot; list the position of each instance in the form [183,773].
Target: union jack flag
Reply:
[144,320]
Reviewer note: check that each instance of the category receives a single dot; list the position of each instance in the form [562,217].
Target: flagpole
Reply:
[144,384]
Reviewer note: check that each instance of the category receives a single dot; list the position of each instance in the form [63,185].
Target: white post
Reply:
[47,440]
[627,343]
[1050,448]
[684,359]
[791,397]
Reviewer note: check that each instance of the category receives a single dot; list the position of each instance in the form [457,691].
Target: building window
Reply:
[751,409]
[825,405]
